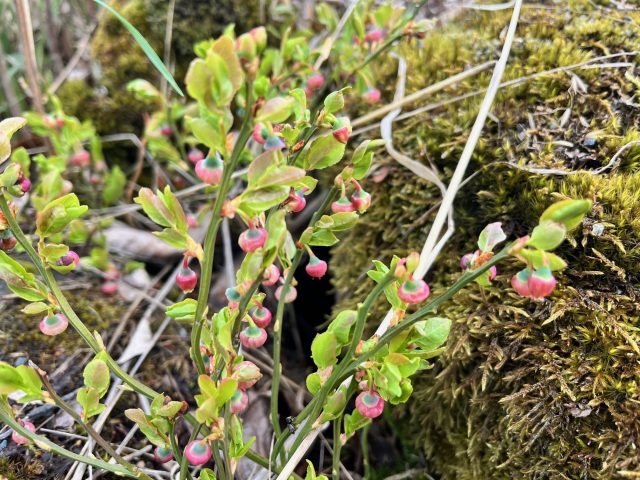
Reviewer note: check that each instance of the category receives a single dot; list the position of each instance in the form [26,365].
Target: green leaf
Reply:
[567,212]
[8,127]
[324,350]
[490,236]
[539,258]
[226,390]
[276,110]
[58,213]
[89,400]
[153,207]
[343,221]
[363,156]
[114,183]
[97,375]
[314,383]
[323,238]
[341,326]
[262,164]
[19,281]
[432,333]
[353,422]
[334,102]
[323,152]
[547,235]
[262,199]
[149,52]
[183,311]
[35,308]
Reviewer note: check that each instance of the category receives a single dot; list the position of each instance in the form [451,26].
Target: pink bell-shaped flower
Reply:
[520,282]
[195,155]
[247,374]
[343,204]
[361,200]
[372,95]
[370,404]
[210,170]
[54,324]
[316,268]
[260,133]
[253,337]
[239,401]
[163,454]
[315,81]
[70,258]
[541,282]
[413,291]
[186,278]
[198,452]
[252,239]
[291,295]
[296,201]
[261,316]
[81,158]
[19,439]
[271,276]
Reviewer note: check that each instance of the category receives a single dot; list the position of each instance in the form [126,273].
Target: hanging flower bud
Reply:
[342,129]
[315,81]
[261,316]
[493,271]
[233,295]
[541,282]
[271,276]
[19,439]
[246,47]
[316,268]
[291,295]
[54,324]
[195,155]
[520,282]
[247,374]
[372,95]
[260,133]
[361,200]
[252,239]
[80,159]
[198,452]
[109,288]
[8,241]
[413,291]
[374,36]
[467,260]
[210,170]
[25,185]
[70,258]
[343,204]
[253,337]
[186,278]
[259,35]
[163,454]
[296,201]
[370,404]
[166,130]
[239,401]
[274,142]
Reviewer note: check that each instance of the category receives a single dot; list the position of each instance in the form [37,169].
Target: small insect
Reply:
[291,425]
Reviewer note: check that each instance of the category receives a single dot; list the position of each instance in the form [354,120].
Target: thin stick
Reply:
[29,52]
[7,86]
[328,43]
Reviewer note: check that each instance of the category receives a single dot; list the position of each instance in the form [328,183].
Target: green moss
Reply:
[20,333]
[524,389]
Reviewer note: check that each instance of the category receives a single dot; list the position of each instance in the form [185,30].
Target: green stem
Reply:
[277,325]
[206,266]
[46,444]
[87,428]
[66,308]
[338,371]
[337,447]
[364,445]
[184,467]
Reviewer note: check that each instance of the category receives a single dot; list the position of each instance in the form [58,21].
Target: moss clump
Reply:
[109,105]
[524,389]
[21,336]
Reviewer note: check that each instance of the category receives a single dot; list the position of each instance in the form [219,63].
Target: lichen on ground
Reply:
[524,389]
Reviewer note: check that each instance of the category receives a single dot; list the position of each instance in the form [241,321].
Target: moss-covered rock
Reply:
[524,389]
[108,103]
